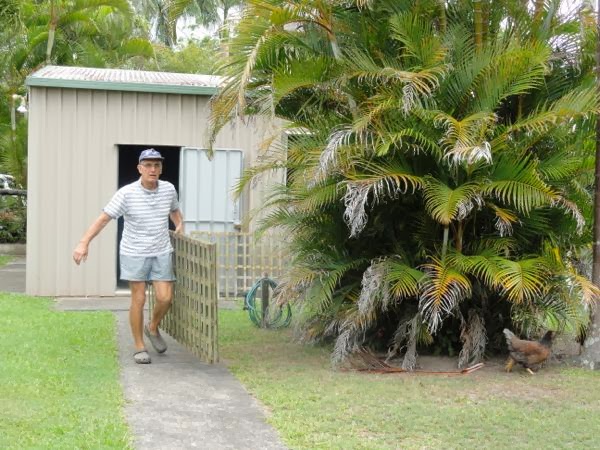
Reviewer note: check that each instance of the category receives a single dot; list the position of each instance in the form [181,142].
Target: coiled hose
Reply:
[278,316]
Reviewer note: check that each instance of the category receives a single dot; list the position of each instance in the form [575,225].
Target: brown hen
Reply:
[527,353]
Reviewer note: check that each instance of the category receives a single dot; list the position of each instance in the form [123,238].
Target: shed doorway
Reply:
[128,173]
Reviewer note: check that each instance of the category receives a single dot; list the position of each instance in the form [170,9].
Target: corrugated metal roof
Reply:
[124,80]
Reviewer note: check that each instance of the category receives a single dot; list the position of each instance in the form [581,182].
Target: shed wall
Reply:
[73,155]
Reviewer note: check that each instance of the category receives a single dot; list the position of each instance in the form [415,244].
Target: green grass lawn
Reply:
[59,388]
[59,379]
[314,407]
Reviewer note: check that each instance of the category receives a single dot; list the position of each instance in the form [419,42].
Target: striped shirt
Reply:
[146,214]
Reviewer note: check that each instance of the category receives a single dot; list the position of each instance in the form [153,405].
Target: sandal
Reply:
[156,340]
[141,357]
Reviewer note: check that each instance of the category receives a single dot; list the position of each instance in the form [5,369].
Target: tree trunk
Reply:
[225,13]
[443,19]
[485,21]
[171,26]
[460,229]
[445,241]
[537,11]
[591,347]
[478,23]
[224,33]
[51,32]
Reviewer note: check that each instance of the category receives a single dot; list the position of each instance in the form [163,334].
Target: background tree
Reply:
[72,32]
[591,350]
[440,180]
[164,15]
[197,56]
[98,33]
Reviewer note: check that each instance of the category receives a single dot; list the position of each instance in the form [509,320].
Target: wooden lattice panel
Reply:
[193,317]
[242,260]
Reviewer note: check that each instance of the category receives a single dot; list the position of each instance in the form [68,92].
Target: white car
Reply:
[7,181]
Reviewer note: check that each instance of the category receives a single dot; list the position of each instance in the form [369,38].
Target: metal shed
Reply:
[86,127]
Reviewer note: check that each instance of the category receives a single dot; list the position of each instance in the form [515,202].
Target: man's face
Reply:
[150,170]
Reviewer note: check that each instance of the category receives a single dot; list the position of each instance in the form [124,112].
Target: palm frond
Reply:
[375,182]
[585,290]
[485,266]
[445,204]
[414,84]
[466,140]
[559,166]
[515,70]
[421,44]
[299,74]
[523,280]
[441,291]
[339,138]
[517,183]
[409,139]
[375,289]
[554,312]
[319,196]
[505,219]
[574,104]
[403,279]
[573,210]
[474,340]
[408,334]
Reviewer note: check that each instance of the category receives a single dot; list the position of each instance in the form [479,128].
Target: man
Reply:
[145,249]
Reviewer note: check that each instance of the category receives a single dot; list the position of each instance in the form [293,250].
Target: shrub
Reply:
[13,225]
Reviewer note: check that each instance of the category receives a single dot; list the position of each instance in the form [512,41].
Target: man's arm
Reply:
[177,219]
[81,251]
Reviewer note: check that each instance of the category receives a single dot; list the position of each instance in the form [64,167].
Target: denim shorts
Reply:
[147,268]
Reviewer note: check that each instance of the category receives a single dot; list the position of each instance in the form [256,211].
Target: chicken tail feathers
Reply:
[509,337]
[509,334]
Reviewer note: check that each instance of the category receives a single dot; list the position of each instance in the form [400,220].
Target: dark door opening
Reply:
[128,173]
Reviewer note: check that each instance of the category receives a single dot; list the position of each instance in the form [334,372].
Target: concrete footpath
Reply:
[177,402]
[12,276]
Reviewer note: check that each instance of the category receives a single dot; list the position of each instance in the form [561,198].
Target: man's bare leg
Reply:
[136,312]
[163,291]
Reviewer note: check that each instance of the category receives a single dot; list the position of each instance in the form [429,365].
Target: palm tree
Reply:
[161,19]
[94,33]
[65,31]
[64,16]
[441,179]
[163,15]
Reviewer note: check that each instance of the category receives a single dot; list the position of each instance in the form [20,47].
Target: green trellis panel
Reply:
[192,319]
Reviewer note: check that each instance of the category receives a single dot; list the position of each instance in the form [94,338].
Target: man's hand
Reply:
[177,218]
[80,253]
[179,228]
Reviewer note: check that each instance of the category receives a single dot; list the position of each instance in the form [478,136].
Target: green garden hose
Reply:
[278,316]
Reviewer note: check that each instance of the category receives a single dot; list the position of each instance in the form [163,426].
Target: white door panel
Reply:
[206,189]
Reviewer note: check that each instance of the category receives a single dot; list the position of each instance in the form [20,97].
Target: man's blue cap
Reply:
[150,153]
